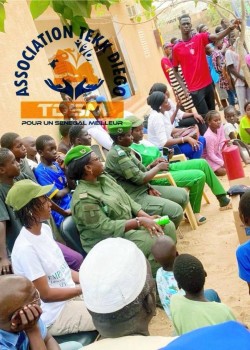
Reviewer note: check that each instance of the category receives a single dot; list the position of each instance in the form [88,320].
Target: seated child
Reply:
[215,139]
[20,325]
[245,125]
[164,252]
[231,127]
[192,310]
[32,155]
[14,143]
[243,251]
[49,172]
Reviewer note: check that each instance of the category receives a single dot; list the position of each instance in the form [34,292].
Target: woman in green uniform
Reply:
[102,209]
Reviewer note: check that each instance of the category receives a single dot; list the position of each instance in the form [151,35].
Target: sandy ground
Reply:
[214,243]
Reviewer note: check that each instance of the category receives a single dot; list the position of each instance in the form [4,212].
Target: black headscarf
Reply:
[155,100]
[158,87]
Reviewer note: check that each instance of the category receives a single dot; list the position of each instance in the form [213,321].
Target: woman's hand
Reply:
[153,192]
[156,162]
[163,166]
[195,144]
[153,228]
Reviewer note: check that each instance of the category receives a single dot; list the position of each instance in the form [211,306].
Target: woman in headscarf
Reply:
[178,117]
[162,133]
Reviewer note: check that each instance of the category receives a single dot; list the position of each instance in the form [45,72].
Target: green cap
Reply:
[77,152]
[120,126]
[23,191]
[135,121]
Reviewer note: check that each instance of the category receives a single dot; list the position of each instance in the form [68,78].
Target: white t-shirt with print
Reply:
[35,256]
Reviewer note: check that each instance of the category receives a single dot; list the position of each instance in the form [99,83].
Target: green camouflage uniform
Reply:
[100,210]
[129,172]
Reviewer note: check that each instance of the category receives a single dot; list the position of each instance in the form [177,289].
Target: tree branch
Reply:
[240,45]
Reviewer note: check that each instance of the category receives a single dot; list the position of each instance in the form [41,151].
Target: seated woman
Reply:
[102,209]
[161,131]
[178,117]
[192,174]
[36,256]
[134,178]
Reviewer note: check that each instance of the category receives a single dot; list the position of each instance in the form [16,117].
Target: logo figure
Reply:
[72,77]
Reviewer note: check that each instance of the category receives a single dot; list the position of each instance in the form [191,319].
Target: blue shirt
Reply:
[18,341]
[243,259]
[215,76]
[167,286]
[225,336]
[45,175]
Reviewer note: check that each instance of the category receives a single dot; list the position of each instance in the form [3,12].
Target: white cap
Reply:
[112,275]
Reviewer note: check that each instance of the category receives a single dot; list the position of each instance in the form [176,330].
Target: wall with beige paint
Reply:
[137,44]
[19,31]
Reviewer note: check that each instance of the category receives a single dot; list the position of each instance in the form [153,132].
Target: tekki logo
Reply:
[74,75]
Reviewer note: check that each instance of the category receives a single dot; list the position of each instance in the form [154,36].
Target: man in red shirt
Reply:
[190,54]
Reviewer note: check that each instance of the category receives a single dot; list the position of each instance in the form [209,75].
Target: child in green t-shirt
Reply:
[193,310]
[245,124]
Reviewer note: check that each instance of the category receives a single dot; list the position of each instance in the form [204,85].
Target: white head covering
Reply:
[112,275]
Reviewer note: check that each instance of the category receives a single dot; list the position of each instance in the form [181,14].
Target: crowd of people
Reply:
[49,290]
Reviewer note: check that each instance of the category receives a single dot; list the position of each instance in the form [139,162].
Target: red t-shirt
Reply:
[191,56]
[166,64]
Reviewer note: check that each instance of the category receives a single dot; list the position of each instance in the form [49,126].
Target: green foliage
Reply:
[2,15]
[72,12]
[38,7]
[146,4]
[77,22]
[214,17]
[150,13]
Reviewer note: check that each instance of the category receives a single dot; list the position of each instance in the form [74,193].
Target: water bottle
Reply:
[164,153]
[163,220]
[161,151]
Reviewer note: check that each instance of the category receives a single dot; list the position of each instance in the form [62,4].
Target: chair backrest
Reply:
[70,234]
